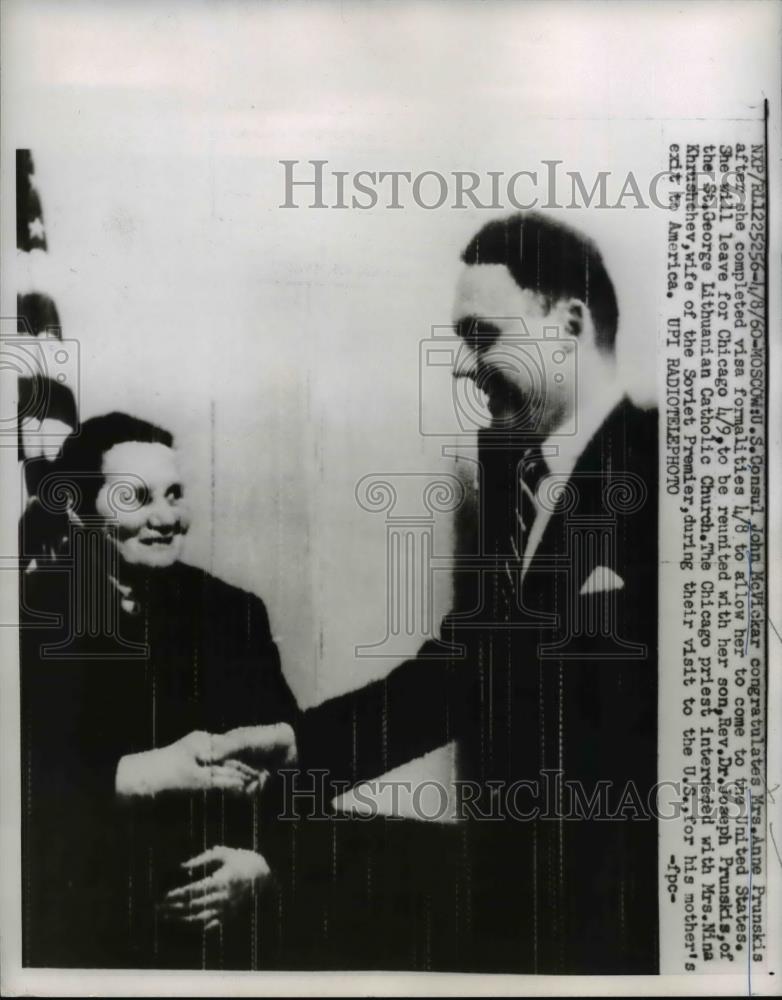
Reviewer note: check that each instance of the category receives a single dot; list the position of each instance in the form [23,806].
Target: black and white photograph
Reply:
[390,498]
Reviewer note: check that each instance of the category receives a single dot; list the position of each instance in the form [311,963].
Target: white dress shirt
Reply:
[561,453]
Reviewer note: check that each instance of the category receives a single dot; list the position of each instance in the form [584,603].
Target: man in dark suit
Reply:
[551,688]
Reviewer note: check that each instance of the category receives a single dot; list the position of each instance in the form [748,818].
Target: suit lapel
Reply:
[581,497]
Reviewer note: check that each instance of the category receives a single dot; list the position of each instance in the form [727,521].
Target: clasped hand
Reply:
[202,761]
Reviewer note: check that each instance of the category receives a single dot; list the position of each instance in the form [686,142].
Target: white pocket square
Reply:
[601,579]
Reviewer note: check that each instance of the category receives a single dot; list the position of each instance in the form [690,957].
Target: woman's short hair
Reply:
[79,467]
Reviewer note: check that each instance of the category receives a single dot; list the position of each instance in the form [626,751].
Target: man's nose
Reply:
[466,362]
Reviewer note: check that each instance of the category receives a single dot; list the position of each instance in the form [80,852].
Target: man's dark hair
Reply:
[81,461]
[553,260]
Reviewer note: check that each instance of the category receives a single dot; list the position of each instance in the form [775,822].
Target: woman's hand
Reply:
[234,875]
[188,765]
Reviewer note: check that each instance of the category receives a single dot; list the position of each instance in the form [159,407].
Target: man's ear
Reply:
[576,317]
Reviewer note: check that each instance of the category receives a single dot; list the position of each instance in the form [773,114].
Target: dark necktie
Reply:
[532,468]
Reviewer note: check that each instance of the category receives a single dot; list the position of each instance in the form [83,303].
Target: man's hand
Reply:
[188,765]
[234,874]
[267,747]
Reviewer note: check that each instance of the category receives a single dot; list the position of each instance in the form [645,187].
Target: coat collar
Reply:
[605,454]
[563,452]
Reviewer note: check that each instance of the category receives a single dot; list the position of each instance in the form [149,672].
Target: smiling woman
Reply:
[149,531]
[122,474]
[145,843]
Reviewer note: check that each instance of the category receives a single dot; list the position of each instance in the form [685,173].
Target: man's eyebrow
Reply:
[478,333]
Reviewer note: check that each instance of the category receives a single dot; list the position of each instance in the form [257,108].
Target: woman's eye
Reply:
[142,496]
[175,493]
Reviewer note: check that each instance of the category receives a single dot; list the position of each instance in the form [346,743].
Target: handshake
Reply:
[238,762]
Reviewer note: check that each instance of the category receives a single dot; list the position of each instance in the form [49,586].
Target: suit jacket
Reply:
[556,683]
